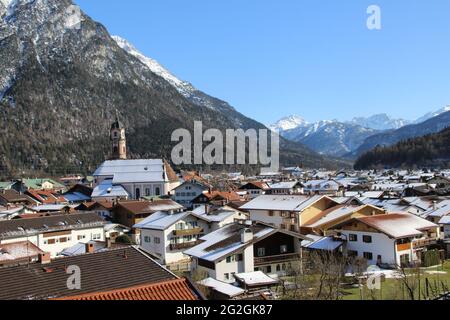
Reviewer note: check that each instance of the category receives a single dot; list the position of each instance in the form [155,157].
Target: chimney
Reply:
[108,242]
[44,258]
[434,205]
[246,235]
[89,247]
[206,208]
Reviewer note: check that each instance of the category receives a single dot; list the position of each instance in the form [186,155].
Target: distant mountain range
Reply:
[388,138]
[426,151]
[349,139]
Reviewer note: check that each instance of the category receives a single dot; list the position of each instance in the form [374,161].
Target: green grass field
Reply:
[393,289]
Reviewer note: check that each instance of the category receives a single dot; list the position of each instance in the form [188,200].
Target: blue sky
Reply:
[314,58]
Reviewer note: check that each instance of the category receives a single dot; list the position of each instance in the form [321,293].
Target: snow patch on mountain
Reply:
[185,88]
[288,123]
[432,115]
[379,122]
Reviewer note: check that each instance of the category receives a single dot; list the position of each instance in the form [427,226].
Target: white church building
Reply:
[120,178]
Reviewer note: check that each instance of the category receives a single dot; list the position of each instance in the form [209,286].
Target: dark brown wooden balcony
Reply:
[424,243]
[185,245]
[187,232]
[277,259]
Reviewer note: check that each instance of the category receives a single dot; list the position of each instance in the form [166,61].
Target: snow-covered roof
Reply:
[106,189]
[18,250]
[110,168]
[225,241]
[335,213]
[80,248]
[398,225]
[284,185]
[161,220]
[322,243]
[76,197]
[222,287]
[52,207]
[257,278]
[281,202]
[442,209]
[216,215]
[445,220]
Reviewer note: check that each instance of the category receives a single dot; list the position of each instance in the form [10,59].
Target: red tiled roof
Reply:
[172,290]
[46,196]
[229,196]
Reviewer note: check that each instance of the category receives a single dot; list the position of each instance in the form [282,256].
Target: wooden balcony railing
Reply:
[185,245]
[424,243]
[277,259]
[187,232]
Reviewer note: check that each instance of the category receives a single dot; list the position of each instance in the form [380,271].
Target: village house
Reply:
[166,235]
[323,187]
[13,197]
[218,198]
[286,188]
[290,212]
[103,208]
[53,233]
[130,213]
[255,189]
[42,184]
[189,190]
[245,247]
[18,252]
[397,239]
[327,219]
[112,274]
[78,193]
[46,196]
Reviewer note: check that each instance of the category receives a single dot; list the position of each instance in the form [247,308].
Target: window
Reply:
[239,257]
[270,213]
[97,236]
[147,239]
[368,255]
[278,268]
[269,269]
[138,193]
[227,276]
[147,192]
[51,241]
[179,226]
[229,259]
[261,252]
[283,249]
[353,237]
[367,239]
[352,253]
[158,191]
[62,240]
[81,237]
[156,240]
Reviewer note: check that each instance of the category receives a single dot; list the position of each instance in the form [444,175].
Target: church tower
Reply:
[118,141]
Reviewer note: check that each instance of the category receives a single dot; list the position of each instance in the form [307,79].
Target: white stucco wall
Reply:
[381,245]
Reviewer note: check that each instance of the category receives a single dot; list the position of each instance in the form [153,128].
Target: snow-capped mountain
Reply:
[288,123]
[61,85]
[327,137]
[380,122]
[432,115]
[184,87]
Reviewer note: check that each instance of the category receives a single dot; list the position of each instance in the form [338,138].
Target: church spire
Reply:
[118,140]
